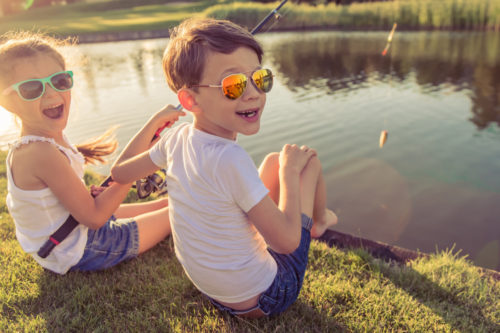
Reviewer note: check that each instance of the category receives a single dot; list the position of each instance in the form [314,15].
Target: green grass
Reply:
[154,15]
[344,290]
[81,18]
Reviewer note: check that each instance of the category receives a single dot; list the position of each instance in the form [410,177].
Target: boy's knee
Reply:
[273,157]
[314,162]
[272,160]
[313,166]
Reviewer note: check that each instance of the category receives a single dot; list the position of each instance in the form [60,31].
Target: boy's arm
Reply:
[134,161]
[281,225]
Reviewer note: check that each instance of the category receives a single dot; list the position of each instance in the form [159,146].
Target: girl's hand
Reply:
[294,158]
[96,190]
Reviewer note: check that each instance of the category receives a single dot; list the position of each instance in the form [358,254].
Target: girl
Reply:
[45,171]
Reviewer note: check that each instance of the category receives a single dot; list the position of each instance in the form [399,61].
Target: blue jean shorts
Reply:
[114,242]
[288,281]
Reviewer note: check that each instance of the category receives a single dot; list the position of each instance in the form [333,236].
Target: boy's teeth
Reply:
[248,114]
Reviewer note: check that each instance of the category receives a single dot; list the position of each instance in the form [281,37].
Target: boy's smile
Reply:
[249,115]
[216,114]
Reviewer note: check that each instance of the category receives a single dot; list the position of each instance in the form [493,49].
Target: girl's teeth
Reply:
[54,112]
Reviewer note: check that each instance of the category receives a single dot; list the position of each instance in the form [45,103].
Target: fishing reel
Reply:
[150,184]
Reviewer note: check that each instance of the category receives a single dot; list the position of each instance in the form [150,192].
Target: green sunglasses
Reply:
[33,89]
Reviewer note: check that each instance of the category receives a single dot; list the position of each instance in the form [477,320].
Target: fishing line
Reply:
[384,134]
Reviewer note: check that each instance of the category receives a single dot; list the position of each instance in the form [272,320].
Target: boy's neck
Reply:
[212,129]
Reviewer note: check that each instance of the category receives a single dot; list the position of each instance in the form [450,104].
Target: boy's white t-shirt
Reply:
[212,183]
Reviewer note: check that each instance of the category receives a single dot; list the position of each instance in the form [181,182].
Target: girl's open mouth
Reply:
[54,112]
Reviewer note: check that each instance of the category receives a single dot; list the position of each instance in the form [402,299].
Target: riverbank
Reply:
[344,290]
[115,20]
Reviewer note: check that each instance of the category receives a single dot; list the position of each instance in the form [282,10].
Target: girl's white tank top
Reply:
[38,213]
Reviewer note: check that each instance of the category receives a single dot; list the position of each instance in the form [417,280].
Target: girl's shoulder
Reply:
[33,146]
[35,152]
[40,143]
[28,157]
[30,140]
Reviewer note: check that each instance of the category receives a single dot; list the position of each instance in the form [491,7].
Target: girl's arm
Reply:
[52,168]
[134,162]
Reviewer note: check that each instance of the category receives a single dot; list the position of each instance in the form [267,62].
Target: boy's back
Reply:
[212,182]
[242,235]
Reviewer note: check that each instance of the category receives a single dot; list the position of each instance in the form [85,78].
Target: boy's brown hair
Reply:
[191,41]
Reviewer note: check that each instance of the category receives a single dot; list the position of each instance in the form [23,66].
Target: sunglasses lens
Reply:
[62,81]
[31,90]
[234,85]
[263,79]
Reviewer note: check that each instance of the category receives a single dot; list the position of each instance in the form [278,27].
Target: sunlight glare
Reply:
[6,122]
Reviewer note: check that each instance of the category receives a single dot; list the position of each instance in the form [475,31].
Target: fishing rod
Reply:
[274,12]
[151,182]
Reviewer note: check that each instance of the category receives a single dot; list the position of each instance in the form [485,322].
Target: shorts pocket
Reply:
[267,304]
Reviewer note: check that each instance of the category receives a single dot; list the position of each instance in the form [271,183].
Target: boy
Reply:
[241,234]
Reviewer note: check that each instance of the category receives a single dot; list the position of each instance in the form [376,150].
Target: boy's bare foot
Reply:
[319,227]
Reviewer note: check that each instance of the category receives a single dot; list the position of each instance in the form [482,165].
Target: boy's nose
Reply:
[251,91]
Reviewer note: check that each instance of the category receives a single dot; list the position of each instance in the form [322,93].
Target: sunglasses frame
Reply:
[44,81]
[248,78]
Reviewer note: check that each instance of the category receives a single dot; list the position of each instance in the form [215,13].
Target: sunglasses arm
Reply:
[7,91]
[207,86]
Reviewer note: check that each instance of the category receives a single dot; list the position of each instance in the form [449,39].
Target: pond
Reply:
[435,184]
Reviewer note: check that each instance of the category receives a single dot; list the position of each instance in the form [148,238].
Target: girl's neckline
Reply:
[25,139]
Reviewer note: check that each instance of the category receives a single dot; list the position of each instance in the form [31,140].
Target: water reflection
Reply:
[434,184]
[334,62]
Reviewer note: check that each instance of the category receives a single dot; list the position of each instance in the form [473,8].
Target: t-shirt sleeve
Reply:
[239,176]
[158,153]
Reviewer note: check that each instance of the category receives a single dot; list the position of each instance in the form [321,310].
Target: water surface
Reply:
[435,183]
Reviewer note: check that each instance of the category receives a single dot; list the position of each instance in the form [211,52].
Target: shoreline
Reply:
[386,252]
[119,36]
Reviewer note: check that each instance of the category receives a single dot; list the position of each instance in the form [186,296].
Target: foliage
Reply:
[102,17]
[409,14]
[130,16]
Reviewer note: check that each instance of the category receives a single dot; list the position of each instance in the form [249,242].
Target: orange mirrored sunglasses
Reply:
[234,85]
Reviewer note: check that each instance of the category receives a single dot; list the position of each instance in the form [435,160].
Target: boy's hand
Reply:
[166,117]
[294,158]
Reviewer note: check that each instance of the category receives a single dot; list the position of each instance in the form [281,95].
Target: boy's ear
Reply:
[187,98]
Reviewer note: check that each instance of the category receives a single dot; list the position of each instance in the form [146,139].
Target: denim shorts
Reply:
[288,281]
[114,242]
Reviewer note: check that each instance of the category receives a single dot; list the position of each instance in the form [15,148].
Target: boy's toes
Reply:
[329,220]
[332,218]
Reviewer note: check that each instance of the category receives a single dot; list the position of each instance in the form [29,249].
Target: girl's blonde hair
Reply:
[22,45]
